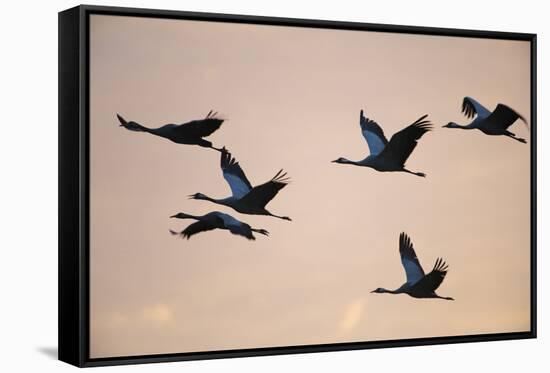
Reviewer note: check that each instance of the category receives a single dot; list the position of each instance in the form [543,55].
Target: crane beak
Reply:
[174,216]
[121,120]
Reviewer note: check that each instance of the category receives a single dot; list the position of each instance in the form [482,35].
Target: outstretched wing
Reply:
[432,280]
[262,194]
[471,107]
[243,230]
[200,127]
[410,262]
[234,175]
[373,133]
[236,226]
[503,116]
[403,142]
[192,229]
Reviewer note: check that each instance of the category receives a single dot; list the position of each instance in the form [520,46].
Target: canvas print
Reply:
[268,186]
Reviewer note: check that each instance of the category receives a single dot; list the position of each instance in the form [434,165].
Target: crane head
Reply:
[379,290]
[181,215]
[451,125]
[129,125]
[122,121]
[341,160]
[198,196]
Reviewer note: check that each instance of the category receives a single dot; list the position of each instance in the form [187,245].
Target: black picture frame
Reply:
[74,184]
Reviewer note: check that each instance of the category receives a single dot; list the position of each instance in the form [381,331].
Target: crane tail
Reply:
[260,231]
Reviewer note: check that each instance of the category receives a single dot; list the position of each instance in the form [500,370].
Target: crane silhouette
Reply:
[245,198]
[493,123]
[216,220]
[418,285]
[190,133]
[389,156]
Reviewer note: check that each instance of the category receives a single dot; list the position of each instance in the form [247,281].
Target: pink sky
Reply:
[292,97]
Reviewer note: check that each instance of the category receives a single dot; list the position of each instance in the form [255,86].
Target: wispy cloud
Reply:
[352,315]
[158,313]
[153,314]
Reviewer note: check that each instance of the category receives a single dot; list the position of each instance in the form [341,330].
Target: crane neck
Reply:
[356,163]
[396,291]
[183,215]
[229,201]
[220,201]
[460,126]
[134,126]
[469,126]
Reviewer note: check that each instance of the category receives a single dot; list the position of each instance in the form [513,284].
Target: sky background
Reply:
[291,97]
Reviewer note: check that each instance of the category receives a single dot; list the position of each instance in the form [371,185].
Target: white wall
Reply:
[28,204]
